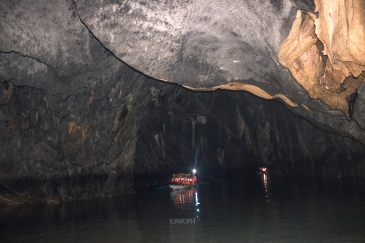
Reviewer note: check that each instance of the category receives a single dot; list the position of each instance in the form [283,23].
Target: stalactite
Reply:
[157,140]
[193,133]
[220,127]
[163,147]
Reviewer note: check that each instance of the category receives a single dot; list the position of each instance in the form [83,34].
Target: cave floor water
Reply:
[261,208]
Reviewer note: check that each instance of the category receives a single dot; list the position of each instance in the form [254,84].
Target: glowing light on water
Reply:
[263,169]
[265,181]
[196,199]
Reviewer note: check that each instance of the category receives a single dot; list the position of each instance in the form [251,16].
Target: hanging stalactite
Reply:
[193,133]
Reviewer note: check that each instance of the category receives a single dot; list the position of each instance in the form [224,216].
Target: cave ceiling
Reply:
[308,55]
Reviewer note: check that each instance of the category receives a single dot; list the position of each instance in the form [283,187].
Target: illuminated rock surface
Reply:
[325,54]
[99,98]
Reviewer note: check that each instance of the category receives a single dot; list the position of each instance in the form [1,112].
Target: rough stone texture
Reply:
[341,28]
[83,115]
[195,43]
[220,45]
[153,130]
[44,45]
[246,130]
[325,53]
[79,148]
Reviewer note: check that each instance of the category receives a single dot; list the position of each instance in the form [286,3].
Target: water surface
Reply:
[256,209]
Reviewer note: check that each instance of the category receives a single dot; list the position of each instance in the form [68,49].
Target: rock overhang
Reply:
[199,45]
[234,46]
[196,44]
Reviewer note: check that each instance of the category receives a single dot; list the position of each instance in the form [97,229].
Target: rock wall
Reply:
[137,136]
[79,147]
[231,131]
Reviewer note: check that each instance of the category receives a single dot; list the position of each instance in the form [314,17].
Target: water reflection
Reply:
[298,211]
[265,183]
[184,199]
[183,227]
[99,220]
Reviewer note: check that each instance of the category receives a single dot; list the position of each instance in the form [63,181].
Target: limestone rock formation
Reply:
[325,54]
[99,98]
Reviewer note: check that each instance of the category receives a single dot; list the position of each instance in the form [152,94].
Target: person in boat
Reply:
[178,180]
[188,179]
[184,179]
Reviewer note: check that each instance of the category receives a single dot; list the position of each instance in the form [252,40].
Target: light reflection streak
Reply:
[196,199]
[185,198]
[265,182]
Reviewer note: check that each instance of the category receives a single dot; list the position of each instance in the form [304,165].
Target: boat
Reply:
[180,187]
[183,181]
